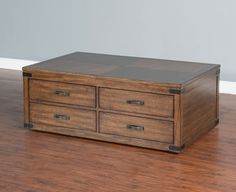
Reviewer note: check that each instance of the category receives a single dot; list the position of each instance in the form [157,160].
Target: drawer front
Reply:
[63,116]
[136,127]
[62,93]
[136,102]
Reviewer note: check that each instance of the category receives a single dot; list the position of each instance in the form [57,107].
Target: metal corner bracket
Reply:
[28,125]
[176,90]
[25,74]
[176,149]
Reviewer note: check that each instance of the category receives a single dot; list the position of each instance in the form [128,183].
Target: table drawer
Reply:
[65,93]
[136,127]
[63,116]
[136,102]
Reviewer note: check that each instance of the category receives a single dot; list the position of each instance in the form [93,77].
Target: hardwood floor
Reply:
[33,161]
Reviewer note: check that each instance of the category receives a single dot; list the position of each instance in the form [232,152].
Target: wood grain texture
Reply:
[178,111]
[151,129]
[50,91]
[63,117]
[152,104]
[26,99]
[199,107]
[37,161]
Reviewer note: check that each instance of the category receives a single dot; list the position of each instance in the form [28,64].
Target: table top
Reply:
[133,68]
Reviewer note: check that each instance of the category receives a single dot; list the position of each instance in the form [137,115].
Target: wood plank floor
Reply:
[40,162]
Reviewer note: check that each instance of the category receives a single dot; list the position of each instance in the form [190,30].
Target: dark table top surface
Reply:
[134,68]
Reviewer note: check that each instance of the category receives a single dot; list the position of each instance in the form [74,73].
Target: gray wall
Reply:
[191,30]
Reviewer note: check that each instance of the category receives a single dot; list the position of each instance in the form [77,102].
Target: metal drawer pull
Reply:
[135,127]
[135,102]
[62,93]
[61,117]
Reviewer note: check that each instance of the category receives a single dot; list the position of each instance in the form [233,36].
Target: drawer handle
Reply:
[135,102]
[62,93]
[61,117]
[135,127]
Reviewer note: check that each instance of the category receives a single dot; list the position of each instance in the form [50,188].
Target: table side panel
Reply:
[26,100]
[200,104]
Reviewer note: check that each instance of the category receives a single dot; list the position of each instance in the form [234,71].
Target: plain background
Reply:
[189,30]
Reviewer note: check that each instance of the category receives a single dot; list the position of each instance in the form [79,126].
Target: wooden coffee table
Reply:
[152,103]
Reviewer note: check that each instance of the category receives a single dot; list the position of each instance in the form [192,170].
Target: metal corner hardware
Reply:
[176,149]
[176,90]
[27,74]
[217,120]
[28,125]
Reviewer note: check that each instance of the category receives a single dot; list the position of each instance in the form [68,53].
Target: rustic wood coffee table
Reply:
[151,103]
